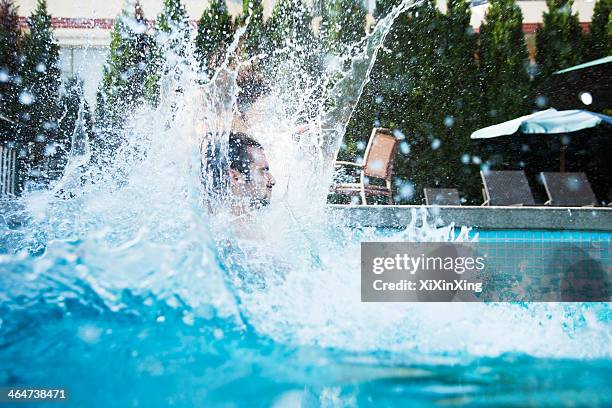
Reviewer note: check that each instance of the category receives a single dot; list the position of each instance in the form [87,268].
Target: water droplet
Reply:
[218,333]
[565,140]
[541,101]
[586,98]
[89,333]
[573,183]
[449,121]
[399,134]
[188,319]
[50,149]
[26,98]
[376,165]
[406,191]
[436,143]
[172,302]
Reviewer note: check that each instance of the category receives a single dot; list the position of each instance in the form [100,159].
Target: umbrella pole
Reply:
[562,159]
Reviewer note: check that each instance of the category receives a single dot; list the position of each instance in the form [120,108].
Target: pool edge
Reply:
[539,218]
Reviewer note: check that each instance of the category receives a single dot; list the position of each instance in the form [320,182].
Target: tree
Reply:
[403,94]
[172,27]
[462,88]
[290,21]
[384,7]
[389,87]
[459,86]
[291,37]
[443,98]
[126,71]
[254,38]
[599,39]
[295,58]
[40,75]
[70,103]
[559,42]
[215,34]
[424,87]
[9,77]
[503,63]
[169,49]
[343,23]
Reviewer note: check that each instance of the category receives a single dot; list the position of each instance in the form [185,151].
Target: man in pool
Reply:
[250,180]
[240,180]
[242,184]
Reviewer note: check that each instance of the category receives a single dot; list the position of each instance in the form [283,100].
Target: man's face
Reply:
[256,188]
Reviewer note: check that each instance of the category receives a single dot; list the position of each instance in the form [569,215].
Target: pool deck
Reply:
[532,218]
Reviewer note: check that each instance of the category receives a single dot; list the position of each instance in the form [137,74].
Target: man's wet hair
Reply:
[238,154]
[215,172]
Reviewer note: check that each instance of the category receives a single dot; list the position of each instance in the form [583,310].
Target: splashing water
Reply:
[126,258]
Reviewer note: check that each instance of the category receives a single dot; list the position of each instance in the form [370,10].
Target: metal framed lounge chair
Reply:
[377,163]
[506,188]
[441,196]
[568,190]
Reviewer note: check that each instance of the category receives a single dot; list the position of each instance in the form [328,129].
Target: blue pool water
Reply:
[130,348]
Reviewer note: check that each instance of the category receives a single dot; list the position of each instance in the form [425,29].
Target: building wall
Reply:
[532,16]
[533,10]
[85,61]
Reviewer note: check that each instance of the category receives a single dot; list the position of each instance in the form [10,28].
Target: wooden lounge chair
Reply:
[568,189]
[377,163]
[442,196]
[506,188]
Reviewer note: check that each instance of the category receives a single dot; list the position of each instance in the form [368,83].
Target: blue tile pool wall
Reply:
[541,236]
[544,258]
[526,235]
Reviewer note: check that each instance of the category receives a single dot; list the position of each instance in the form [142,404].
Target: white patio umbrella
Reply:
[547,122]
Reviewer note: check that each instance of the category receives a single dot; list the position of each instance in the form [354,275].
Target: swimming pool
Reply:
[69,321]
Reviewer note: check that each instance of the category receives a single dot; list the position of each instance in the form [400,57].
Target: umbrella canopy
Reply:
[604,60]
[550,121]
